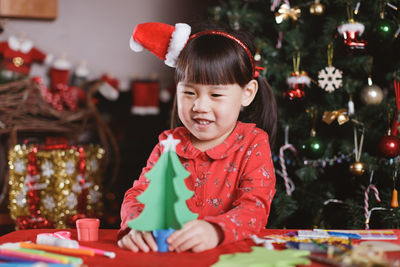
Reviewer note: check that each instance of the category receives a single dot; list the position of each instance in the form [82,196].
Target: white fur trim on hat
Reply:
[108,91]
[62,64]
[81,71]
[145,110]
[135,46]
[351,26]
[178,41]
[292,80]
[49,58]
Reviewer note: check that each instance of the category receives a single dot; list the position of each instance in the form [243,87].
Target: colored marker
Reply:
[75,251]
[44,239]
[341,234]
[62,258]
[13,259]
[20,264]
[109,254]
[27,256]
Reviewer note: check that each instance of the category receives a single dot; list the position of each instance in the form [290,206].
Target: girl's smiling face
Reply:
[210,112]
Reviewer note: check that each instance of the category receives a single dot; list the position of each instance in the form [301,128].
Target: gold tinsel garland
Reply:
[59,182]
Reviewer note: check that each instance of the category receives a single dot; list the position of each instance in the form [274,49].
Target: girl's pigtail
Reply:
[263,111]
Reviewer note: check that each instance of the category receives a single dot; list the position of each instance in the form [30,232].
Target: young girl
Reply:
[232,173]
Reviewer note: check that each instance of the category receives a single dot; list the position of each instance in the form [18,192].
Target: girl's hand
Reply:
[196,235]
[138,241]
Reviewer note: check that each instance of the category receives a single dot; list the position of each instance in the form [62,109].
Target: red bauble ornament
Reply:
[296,93]
[389,146]
[296,82]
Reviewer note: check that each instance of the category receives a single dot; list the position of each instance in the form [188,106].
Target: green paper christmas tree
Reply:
[165,197]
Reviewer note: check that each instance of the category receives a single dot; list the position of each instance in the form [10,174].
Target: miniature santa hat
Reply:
[163,40]
[109,87]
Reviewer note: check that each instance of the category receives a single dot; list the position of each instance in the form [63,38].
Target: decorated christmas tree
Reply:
[165,197]
[335,70]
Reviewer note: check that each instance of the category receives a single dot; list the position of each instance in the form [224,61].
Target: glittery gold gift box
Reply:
[68,183]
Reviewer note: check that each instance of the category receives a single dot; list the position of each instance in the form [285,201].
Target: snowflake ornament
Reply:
[77,188]
[71,201]
[94,196]
[47,169]
[20,198]
[330,78]
[48,203]
[94,165]
[19,166]
[70,167]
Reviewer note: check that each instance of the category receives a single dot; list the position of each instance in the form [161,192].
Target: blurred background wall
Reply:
[98,32]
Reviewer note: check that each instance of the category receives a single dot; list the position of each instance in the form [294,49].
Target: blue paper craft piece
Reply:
[161,238]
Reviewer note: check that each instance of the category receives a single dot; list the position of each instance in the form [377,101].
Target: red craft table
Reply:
[108,241]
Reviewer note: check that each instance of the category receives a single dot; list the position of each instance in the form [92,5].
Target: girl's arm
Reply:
[254,192]
[131,207]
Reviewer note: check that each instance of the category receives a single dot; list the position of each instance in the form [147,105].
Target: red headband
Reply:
[254,72]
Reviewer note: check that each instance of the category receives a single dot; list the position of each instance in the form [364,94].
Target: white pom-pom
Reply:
[135,46]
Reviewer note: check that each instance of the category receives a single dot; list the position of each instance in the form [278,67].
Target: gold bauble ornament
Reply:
[371,95]
[317,8]
[357,168]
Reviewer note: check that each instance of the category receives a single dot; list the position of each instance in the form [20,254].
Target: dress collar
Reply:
[17,44]
[234,141]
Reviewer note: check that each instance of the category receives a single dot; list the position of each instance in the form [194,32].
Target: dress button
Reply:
[199,203]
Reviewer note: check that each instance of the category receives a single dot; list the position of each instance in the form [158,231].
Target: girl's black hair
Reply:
[215,59]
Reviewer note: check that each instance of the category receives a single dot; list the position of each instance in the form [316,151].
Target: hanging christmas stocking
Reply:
[351,33]
[145,96]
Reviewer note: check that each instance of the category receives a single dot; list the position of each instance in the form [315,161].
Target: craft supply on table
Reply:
[28,256]
[382,245]
[281,239]
[32,264]
[15,250]
[341,234]
[315,247]
[366,234]
[13,259]
[101,252]
[62,258]
[62,239]
[74,251]
[335,248]
[88,229]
